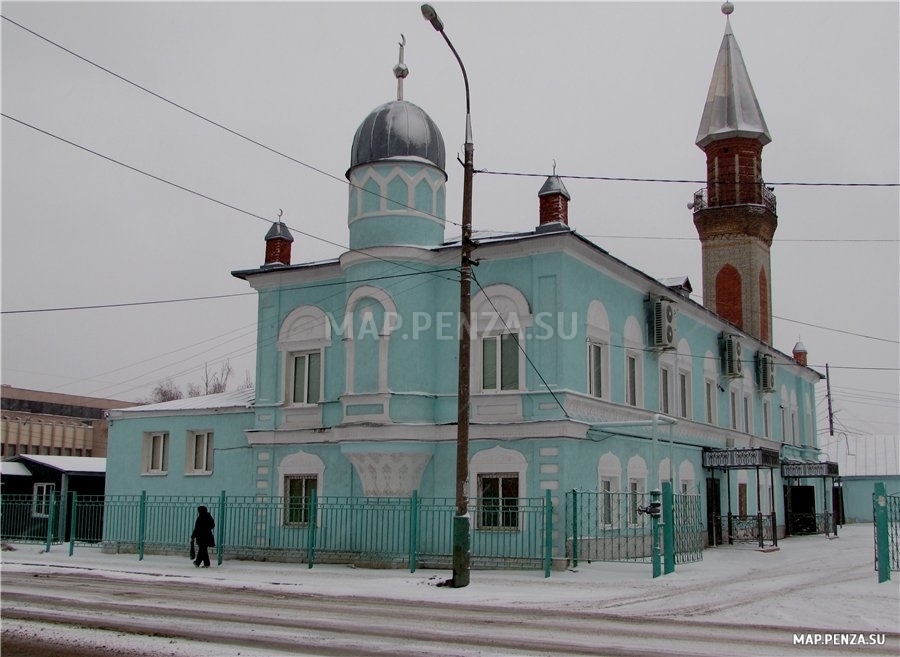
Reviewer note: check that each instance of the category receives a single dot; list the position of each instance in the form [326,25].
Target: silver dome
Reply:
[398,129]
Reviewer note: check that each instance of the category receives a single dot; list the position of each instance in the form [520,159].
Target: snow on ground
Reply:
[811,583]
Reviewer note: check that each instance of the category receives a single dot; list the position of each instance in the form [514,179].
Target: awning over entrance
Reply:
[805,469]
[740,459]
[800,504]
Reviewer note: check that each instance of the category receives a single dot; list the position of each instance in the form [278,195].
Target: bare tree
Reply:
[164,391]
[248,381]
[217,381]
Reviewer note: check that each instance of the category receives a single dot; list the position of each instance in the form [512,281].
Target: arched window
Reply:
[609,474]
[598,351]
[497,482]
[300,475]
[634,362]
[370,318]
[729,302]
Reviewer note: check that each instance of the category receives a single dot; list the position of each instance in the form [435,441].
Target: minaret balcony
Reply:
[757,194]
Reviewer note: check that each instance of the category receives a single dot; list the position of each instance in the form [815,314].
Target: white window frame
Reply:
[598,372]
[512,341]
[156,453]
[709,391]
[199,462]
[637,487]
[609,503]
[685,399]
[735,409]
[504,512]
[42,499]
[290,384]
[666,389]
[633,380]
[767,418]
[305,507]
[747,414]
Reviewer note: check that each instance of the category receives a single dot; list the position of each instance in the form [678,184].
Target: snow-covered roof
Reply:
[14,468]
[234,399]
[865,455]
[81,464]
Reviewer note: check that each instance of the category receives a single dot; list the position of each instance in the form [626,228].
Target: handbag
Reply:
[193,551]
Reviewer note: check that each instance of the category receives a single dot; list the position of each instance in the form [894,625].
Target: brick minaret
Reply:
[735,213]
[554,201]
[278,245]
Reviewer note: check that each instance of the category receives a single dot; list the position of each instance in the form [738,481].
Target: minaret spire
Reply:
[400,69]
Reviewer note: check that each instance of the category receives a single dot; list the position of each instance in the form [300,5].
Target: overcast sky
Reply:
[612,90]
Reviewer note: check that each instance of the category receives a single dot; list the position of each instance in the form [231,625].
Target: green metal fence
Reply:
[410,531]
[886,520]
[607,526]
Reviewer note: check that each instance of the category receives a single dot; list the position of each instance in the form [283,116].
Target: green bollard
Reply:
[654,528]
[882,540]
[668,510]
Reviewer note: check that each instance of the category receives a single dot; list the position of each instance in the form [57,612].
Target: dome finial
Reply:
[727,8]
[401,70]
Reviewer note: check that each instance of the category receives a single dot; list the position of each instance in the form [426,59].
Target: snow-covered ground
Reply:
[811,584]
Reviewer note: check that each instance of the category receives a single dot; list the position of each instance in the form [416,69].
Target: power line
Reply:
[682,180]
[201,195]
[219,125]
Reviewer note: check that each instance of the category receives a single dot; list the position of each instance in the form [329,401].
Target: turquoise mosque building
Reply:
[586,373]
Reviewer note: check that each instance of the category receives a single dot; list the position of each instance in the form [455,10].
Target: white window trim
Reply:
[149,453]
[609,485]
[594,346]
[42,499]
[291,363]
[638,383]
[285,521]
[520,515]
[666,388]
[498,361]
[191,451]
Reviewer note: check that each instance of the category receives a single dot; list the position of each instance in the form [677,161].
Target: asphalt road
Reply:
[253,622]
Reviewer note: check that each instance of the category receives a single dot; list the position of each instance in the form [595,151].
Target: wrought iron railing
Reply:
[757,194]
[380,531]
[757,528]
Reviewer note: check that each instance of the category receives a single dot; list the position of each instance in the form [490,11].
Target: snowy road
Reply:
[249,621]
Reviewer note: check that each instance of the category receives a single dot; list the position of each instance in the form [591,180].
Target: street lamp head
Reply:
[431,16]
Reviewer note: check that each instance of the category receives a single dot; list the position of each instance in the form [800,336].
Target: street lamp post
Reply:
[462,523]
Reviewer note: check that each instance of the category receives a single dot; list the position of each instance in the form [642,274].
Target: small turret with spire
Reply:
[278,244]
[554,200]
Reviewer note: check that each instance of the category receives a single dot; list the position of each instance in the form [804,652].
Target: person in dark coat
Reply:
[203,535]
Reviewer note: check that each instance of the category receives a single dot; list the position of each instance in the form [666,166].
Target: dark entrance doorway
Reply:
[800,503]
[713,511]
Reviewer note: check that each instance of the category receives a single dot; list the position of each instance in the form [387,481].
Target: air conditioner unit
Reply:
[663,325]
[765,371]
[732,355]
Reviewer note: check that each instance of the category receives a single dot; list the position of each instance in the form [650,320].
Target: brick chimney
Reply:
[800,353]
[554,202]
[278,245]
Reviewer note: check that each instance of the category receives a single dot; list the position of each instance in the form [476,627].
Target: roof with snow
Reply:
[14,468]
[71,464]
[234,399]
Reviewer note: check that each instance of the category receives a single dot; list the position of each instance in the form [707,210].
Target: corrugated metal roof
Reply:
[234,399]
[87,464]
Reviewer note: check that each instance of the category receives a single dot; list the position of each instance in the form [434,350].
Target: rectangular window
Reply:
[498,501]
[664,394]
[747,415]
[734,410]
[156,452]
[794,432]
[767,423]
[595,364]
[631,380]
[784,434]
[686,485]
[43,498]
[200,451]
[298,493]
[307,378]
[684,394]
[609,503]
[635,497]
[500,362]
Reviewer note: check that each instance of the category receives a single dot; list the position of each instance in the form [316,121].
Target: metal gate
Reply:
[889,524]
[606,526]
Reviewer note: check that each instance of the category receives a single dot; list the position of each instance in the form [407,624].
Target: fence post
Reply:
[220,539]
[413,530]
[311,525]
[574,528]
[548,533]
[882,540]
[142,522]
[73,522]
[654,529]
[51,522]
[668,507]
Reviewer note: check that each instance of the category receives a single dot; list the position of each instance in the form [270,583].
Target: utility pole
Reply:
[828,394]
